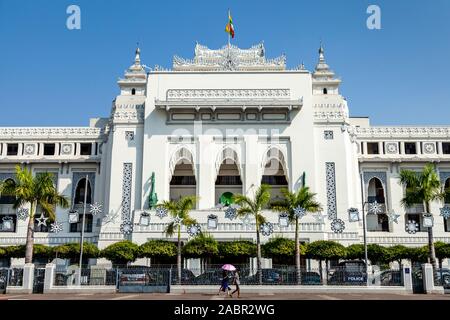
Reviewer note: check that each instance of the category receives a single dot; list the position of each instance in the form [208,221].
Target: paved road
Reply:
[171,296]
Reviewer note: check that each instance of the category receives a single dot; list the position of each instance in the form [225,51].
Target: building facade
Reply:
[219,124]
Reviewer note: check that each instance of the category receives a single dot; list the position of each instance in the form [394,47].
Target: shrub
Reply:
[236,251]
[202,246]
[159,250]
[72,251]
[377,254]
[281,250]
[397,253]
[39,251]
[355,251]
[325,250]
[121,252]
[442,250]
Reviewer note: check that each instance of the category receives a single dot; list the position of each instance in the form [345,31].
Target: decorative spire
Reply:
[321,52]
[137,59]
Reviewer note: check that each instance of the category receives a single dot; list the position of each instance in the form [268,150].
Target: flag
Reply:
[229,27]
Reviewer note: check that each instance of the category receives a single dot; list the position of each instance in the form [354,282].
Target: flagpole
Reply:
[229,40]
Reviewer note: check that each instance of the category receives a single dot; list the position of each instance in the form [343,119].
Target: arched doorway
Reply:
[375,193]
[78,204]
[228,180]
[275,173]
[182,175]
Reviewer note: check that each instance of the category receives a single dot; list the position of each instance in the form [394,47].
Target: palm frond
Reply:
[170,230]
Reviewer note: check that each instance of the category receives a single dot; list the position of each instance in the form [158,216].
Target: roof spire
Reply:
[137,59]
[321,52]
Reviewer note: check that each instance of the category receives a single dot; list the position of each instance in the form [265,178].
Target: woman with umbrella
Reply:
[225,286]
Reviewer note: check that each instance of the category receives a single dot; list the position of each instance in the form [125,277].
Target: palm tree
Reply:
[302,199]
[36,191]
[423,187]
[254,207]
[179,210]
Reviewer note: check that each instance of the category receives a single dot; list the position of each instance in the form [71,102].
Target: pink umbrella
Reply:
[229,267]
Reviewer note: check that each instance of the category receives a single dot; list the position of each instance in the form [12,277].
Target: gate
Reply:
[3,280]
[38,280]
[417,278]
[143,279]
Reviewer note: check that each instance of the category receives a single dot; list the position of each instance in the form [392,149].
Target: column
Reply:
[205,172]
[428,278]
[28,277]
[251,165]
[49,276]
[407,278]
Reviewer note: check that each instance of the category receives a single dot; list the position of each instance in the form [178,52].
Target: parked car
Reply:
[289,276]
[268,276]
[390,278]
[209,277]
[352,272]
[187,276]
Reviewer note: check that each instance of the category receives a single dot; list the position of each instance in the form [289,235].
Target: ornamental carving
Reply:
[429,147]
[67,132]
[30,149]
[174,94]
[391,147]
[330,175]
[126,193]
[403,131]
[228,58]
[66,149]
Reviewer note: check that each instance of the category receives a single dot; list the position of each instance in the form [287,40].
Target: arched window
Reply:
[325,91]
[80,191]
[133,91]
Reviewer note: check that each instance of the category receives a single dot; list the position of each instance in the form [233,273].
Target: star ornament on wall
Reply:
[445,212]
[177,221]
[194,229]
[319,217]
[95,208]
[266,229]
[126,227]
[161,212]
[246,220]
[42,220]
[375,208]
[56,227]
[299,212]
[231,213]
[337,226]
[412,227]
[393,217]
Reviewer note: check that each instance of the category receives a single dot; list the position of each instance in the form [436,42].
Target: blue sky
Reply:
[52,76]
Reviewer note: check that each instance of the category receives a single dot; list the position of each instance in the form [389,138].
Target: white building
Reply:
[224,122]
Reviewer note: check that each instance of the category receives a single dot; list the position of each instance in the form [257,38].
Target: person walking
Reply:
[224,286]
[237,283]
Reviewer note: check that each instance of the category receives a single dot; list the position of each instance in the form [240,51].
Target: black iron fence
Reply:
[442,278]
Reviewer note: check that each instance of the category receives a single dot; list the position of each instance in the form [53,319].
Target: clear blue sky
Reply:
[51,76]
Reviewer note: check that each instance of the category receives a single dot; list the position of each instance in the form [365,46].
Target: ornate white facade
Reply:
[222,122]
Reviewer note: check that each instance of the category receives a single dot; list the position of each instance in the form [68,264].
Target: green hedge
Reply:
[72,251]
[202,246]
[325,250]
[160,251]
[121,252]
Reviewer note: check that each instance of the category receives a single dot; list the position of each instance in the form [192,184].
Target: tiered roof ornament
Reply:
[229,58]
[322,70]
[135,74]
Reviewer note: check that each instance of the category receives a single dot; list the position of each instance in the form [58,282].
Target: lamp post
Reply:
[364,228]
[82,229]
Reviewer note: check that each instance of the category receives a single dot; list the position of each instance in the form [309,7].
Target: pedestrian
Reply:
[237,283]
[224,286]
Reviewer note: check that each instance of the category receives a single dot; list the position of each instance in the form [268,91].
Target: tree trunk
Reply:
[30,236]
[258,255]
[431,251]
[179,256]
[297,253]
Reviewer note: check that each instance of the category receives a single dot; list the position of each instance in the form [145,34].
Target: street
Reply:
[196,296]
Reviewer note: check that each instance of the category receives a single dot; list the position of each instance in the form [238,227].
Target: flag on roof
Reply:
[229,27]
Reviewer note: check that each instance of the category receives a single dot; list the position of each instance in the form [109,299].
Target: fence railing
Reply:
[442,278]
